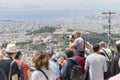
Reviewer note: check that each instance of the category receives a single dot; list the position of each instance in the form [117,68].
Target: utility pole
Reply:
[109,21]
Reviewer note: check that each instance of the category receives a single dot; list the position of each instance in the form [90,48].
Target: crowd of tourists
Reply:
[80,61]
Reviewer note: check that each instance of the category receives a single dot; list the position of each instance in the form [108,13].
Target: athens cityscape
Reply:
[59,40]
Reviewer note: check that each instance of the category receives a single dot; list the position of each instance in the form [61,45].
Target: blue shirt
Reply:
[55,67]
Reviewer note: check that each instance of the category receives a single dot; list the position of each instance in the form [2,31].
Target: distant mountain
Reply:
[44,14]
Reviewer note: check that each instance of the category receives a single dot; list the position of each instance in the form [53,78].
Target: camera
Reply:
[71,38]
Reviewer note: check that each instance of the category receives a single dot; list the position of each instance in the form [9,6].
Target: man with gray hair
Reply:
[78,44]
[107,52]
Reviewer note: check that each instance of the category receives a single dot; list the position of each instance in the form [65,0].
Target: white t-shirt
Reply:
[97,66]
[38,75]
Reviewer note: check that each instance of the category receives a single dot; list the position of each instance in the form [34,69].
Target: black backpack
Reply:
[76,71]
[107,74]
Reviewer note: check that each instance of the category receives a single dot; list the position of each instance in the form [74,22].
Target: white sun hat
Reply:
[11,48]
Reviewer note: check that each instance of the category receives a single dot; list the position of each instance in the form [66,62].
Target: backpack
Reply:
[21,72]
[76,71]
[107,74]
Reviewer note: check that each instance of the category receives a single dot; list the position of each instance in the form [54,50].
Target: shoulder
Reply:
[13,63]
[76,40]
[117,55]
[73,60]
[36,73]
[101,56]
[8,62]
[79,39]
[89,56]
[5,60]
[66,63]
[78,57]
[107,50]
[25,64]
[115,58]
[46,70]
[92,56]
[53,64]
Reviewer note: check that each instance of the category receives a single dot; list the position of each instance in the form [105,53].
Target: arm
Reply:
[58,73]
[105,65]
[29,74]
[15,77]
[71,45]
[86,64]
[74,43]
[58,78]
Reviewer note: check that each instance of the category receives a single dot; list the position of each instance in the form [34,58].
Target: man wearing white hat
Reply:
[8,64]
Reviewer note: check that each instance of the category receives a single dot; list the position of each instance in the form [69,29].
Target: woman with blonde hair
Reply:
[42,72]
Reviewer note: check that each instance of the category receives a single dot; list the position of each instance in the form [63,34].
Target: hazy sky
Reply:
[37,6]
[59,4]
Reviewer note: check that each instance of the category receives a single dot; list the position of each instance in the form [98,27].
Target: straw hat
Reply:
[11,48]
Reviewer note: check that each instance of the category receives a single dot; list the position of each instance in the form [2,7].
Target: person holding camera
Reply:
[77,43]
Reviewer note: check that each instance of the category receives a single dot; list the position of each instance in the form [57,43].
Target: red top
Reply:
[81,62]
[25,67]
